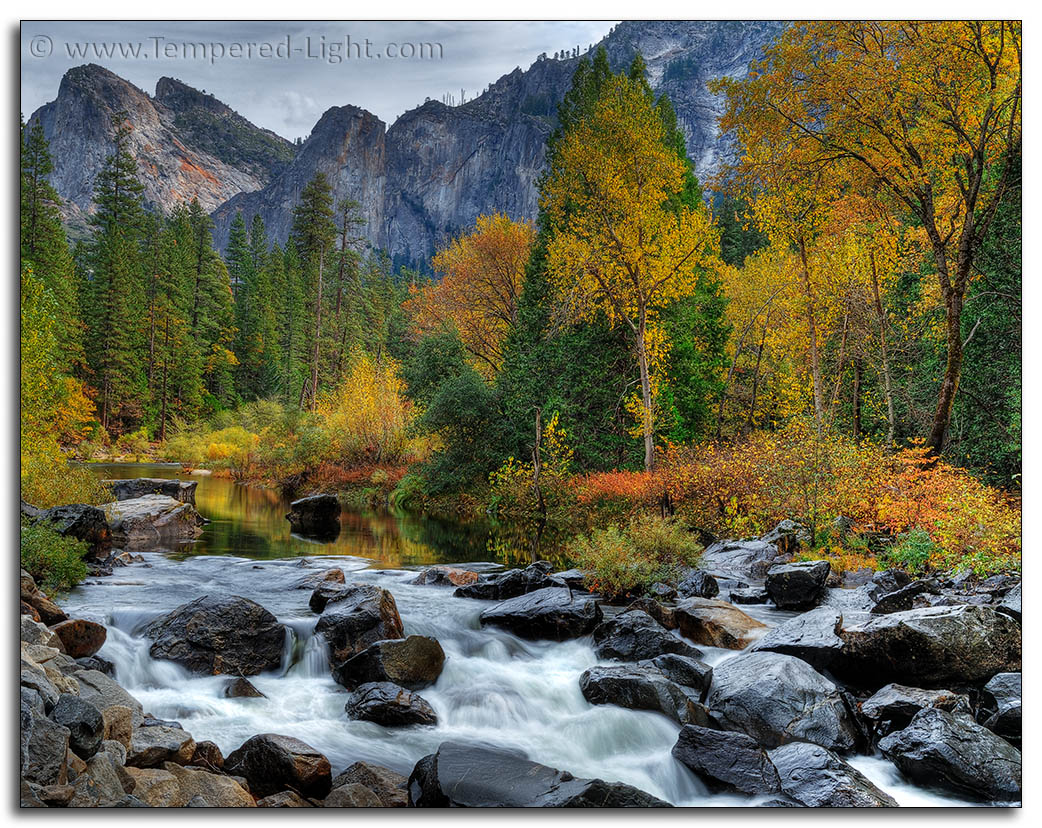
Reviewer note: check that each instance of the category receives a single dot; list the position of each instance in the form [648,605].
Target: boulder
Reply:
[242,688]
[414,662]
[327,592]
[817,778]
[661,591]
[216,790]
[954,752]
[315,516]
[219,634]
[43,746]
[84,721]
[787,536]
[555,613]
[57,796]
[104,693]
[364,615]
[576,579]
[391,788]
[150,747]
[81,638]
[272,763]
[446,576]
[903,598]
[116,751]
[33,677]
[716,623]
[641,687]
[749,595]
[389,705]
[353,795]
[35,632]
[812,636]
[330,576]
[285,799]
[96,662]
[894,706]
[738,559]
[118,724]
[99,785]
[152,520]
[684,670]
[1010,605]
[797,585]
[698,584]
[207,755]
[731,761]
[182,491]
[156,787]
[778,699]
[1002,703]
[512,583]
[930,647]
[39,605]
[477,776]
[86,523]
[635,635]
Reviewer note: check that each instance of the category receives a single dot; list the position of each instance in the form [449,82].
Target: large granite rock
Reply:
[1010,604]
[414,662]
[556,613]
[389,705]
[512,583]
[954,752]
[635,635]
[894,706]
[80,638]
[741,560]
[726,760]
[812,636]
[152,520]
[84,721]
[446,576]
[817,778]
[271,763]
[475,776]
[797,585]
[151,746]
[86,523]
[698,584]
[219,634]
[180,490]
[778,699]
[315,516]
[642,687]
[361,616]
[392,789]
[716,623]
[1001,706]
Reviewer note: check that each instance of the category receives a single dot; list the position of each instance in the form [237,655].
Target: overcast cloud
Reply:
[288,94]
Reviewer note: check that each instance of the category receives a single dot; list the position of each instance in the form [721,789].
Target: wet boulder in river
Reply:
[778,699]
[512,583]
[641,686]
[180,490]
[364,615]
[412,662]
[242,688]
[797,585]
[716,623]
[635,635]
[477,776]
[446,576]
[728,760]
[271,763]
[86,523]
[895,705]
[1001,706]
[954,752]
[315,516]
[219,634]
[326,576]
[151,520]
[390,788]
[387,704]
[817,778]
[930,647]
[1010,605]
[555,613]
[812,636]
[698,584]
[81,638]
[738,559]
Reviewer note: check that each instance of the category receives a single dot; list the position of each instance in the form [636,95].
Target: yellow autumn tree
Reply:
[481,276]
[620,248]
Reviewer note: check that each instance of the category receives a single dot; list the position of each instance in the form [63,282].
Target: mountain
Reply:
[187,144]
[421,181]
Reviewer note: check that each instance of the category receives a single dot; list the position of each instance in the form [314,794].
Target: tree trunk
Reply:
[953,301]
[812,329]
[645,388]
[857,400]
[887,385]
[537,461]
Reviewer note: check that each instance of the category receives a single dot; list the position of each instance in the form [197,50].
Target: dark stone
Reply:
[749,595]
[817,778]
[326,576]
[316,516]
[738,559]
[726,760]
[43,746]
[930,647]
[364,615]
[889,580]
[684,670]
[635,635]
[901,599]
[327,592]
[446,576]
[241,688]
[272,763]
[895,705]
[716,623]
[180,490]
[998,585]
[57,796]
[698,584]
[797,585]
[389,705]
[207,755]
[778,699]
[572,578]
[390,788]
[476,776]
[661,591]
[788,536]
[219,634]
[151,746]
[954,752]
[414,662]
[555,613]
[512,583]
[80,637]
[83,522]
[96,662]
[1010,605]
[640,687]
[84,721]
[812,636]
[1002,705]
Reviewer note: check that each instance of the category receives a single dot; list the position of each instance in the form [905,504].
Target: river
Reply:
[495,688]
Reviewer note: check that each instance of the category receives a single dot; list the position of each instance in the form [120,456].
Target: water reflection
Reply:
[250,521]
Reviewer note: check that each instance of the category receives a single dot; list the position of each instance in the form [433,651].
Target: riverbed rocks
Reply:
[84,721]
[1001,706]
[635,635]
[151,746]
[414,662]
[182,491]
[44,745]
[777,699]
[726,760]
[642,686]
[242,688]
[812,636]
[104,693]
[152,520]
[739,559]
[894,706]
[387,704]
[698,584]
[954,752]
[82,522]
[716,623]
[392,789]
[797,585]
[272,763]
[512,583]
[98,785]
[361,615]
[44,608]
[326,576]
[316,516]
[930,647]
[556,613]
[817,778]
[477,776]
[80,638]
[1010,604]
[446,576]
[219,634]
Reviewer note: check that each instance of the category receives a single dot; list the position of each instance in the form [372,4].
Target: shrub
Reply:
[48,481]
[56,563]
[648,550]
[913,551]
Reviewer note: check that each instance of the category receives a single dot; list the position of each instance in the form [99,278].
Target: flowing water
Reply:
[495,688]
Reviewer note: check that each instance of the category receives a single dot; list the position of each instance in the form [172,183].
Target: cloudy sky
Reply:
[283,76]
